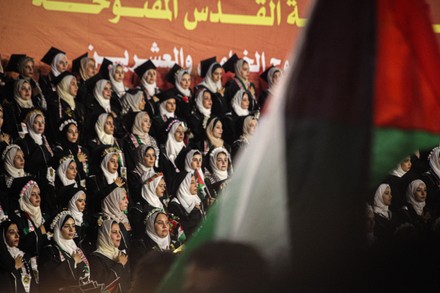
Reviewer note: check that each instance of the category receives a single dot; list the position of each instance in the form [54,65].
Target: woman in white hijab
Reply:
[102,94]
[384,223]
[272,76]
[432,181]
[21,269]
[186,204]
[107,262]
[220,169]
[63,263]
[246,126]
[13,164]
[114,206]
[133,102]
[153,192]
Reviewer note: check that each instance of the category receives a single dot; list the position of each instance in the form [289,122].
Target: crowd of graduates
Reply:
[95,174]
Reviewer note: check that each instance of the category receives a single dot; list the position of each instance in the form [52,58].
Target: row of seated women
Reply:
[408,200]
[88,188]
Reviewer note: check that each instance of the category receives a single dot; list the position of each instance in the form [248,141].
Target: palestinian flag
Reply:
[364,91]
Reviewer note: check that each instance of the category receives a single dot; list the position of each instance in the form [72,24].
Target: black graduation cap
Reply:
[264,76]
[103,70]
[166,95]
[50,55]
[60,77]
[13,62]
[229,65]
[91,82]
[76,63]
[171,76]
[205,64]
[144,67]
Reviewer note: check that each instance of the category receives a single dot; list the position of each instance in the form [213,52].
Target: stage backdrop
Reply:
[166,31]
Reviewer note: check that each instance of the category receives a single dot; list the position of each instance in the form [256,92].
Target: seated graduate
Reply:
[58,62]
[385,224]
[272,77]
[62,262]
[220,169]
[186,204]
[18,271]
[66,177]
[200,114]
[246,127]
[84,68]
[181,80]
[108,264]
[148,76]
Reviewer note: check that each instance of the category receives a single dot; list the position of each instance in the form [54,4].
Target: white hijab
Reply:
[64,93]
[162,243]
[99,87]
[410,198]
[209,82]
[38,138]
[222,175]
[103,137]
[172,147]
[199,104]
[433,161]
[110,177]
[26,104]
[104,244]
[67,245]
[137,128]
[110,205]
[83,68]
[186,199]
[270,74]
[149,190]
[131,102]
[151,88]
[236,103]
[58,57]
[62,170]
[378,206]
[163,110]
[26,206]
[9,156]
[144,171]
[188,160]
[118,86]
[71,206]
[179,76]
[238,68]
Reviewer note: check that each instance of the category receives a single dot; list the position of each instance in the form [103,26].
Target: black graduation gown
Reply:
[14,115]
[383,227]
[9,189]
[104,271]
[151,107]
[189,221]
[137,215]
[215,185]
[10,277]
[65,149]
[131,142]
[407,214]
[432,182]
[220,105]
[170,170]
[263,97]
[183,104]
[233,86]
[238,145]
[57,269]
[97,190]
[195,123]
[48,86]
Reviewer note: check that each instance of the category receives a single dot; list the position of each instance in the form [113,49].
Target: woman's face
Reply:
[39,124]
[185,82]
[151,76]
[170,105]
[28,69]
[81,202]
[142,104]
[107,91]
[1,119]
[112,165]
[119,73]
[115,234]
[68,229]
[406,164]
[218,130]
[222,162]
[25,91]
[420,193]
[207,100]
[19,160]
[196,162]
[160,189]
[62,65]
[179,134]
[109,128]
[73,87]
[91,68]
[162,226]
[72,133]
[252,126]
[71,171]
[245,102]
[387,196]
[123,202]
[217,74]
[146,123]
[35,198]
[276,77]
[12,235]
[193,186]
[245,70]
[149,158]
